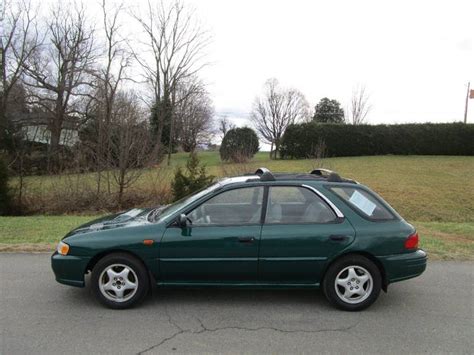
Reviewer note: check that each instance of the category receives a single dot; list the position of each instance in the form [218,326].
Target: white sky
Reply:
[414,57]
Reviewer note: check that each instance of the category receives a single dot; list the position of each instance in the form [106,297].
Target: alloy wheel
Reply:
[118,282]
[353,284]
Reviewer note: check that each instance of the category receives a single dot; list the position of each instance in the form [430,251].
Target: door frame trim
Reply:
[336,210]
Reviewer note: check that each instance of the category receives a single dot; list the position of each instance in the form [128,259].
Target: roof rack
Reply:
[264,174]
[330,175]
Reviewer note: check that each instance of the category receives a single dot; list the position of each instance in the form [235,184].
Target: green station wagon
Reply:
[315,230]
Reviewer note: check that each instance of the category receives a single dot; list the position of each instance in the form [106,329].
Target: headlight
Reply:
[62,248]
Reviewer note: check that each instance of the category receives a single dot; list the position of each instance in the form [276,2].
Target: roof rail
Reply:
[264,174]
[329,174]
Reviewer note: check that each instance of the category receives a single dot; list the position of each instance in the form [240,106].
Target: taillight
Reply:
[412,241]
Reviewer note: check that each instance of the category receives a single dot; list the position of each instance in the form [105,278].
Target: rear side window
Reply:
[295,205]
[363,202]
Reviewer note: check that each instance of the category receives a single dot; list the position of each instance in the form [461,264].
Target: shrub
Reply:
[239,145]
[302,140]
[195,178]
[5,197]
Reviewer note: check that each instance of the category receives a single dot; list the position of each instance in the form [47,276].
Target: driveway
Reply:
[430,314]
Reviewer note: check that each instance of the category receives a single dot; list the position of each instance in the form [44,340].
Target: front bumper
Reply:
[69,269]
[404,266]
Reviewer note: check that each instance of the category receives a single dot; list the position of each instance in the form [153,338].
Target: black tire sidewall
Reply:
[132,262]
[333,271]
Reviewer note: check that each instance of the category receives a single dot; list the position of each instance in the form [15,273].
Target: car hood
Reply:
[133,217]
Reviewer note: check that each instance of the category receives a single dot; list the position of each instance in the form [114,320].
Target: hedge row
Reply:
[305,140]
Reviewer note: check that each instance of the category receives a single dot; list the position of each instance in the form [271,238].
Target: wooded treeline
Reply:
[82,93]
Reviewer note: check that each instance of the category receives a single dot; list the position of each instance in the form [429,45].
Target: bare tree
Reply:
[130,143]
[116,59]
[18,41]
[359,107]
[193,114]
[175,47]
[59,72]
[275,110]
[224,125]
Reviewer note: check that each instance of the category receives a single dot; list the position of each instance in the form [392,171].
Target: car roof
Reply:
[264,174]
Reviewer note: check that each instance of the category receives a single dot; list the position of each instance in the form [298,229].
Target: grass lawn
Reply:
[39,233]
[447,240]
[420,188]
[435,193]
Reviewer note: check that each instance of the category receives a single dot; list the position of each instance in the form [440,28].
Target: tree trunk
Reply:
[120,194]
[99,156]
[3,123]
[121,183]
[157,148]
[170,144]
[277,148]
[53,154]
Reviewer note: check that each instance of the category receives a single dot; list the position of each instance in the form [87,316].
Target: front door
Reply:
[300,233]
[220,243]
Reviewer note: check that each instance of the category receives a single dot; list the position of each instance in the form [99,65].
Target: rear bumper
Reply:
[69,269]
[404,266]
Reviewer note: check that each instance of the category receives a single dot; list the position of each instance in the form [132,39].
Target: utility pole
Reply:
[467,101]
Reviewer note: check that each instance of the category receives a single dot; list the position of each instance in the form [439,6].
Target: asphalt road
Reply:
[431,314]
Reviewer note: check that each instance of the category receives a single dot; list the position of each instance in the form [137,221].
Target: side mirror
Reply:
[182,220]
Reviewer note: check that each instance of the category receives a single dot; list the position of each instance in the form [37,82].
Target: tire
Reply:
[358,283]
[120,281]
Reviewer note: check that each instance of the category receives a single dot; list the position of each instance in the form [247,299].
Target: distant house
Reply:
[35,127]
[203,146]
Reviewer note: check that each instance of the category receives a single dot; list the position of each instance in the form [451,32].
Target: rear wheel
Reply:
[120,281]
[352,283]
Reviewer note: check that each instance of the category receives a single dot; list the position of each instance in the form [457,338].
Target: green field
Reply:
[421,188]
[435,193]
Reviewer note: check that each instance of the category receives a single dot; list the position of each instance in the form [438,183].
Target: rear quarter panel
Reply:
[384,240]
[379,238]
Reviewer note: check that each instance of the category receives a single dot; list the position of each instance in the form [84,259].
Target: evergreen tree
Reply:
[328,111]
[192,179]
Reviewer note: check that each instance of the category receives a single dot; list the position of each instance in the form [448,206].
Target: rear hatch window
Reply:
[364,203]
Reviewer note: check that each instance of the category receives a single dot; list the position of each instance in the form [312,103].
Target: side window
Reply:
[363,202]
[238,206]
[293,205]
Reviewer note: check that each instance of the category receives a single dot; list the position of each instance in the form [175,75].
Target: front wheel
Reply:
[120,281]
[352,283]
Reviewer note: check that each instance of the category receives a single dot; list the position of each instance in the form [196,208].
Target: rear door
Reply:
[220,245]
[301,231]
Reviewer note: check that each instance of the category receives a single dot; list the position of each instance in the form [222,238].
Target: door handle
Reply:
[338,238]
[246,239]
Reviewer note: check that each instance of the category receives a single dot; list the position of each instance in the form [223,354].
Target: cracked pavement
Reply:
[430,314]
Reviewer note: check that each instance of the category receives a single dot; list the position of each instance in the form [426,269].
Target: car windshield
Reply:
[168,210]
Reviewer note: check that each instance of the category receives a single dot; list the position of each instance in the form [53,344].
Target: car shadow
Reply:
[237,297]
[213,296]
[225,296]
